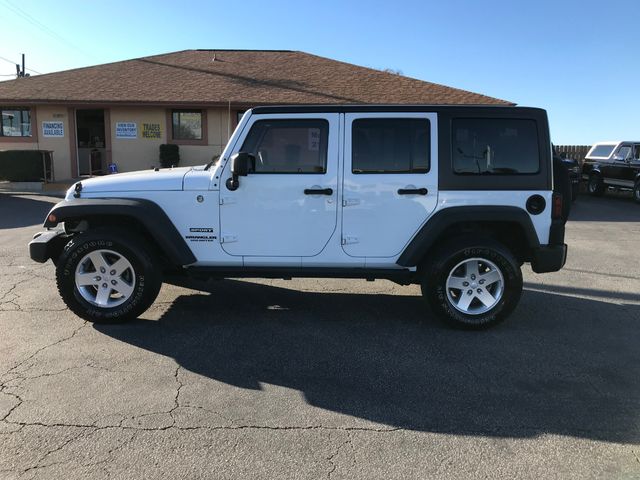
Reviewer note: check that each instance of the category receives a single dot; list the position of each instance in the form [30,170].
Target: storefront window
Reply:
[16,122]
[187,124]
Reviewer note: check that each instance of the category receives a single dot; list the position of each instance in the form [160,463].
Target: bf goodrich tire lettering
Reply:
[118,249]
[497,265]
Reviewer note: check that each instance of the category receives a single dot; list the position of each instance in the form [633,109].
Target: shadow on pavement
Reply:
[17,211]
[560,365]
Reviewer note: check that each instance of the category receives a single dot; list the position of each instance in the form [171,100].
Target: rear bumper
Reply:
[549,258]
[46,245]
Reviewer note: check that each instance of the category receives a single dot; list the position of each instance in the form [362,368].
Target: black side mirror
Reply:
[241,164]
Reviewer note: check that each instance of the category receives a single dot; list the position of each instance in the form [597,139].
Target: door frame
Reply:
[73,136]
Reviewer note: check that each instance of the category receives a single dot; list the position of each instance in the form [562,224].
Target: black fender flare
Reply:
[149,214]
[429,234]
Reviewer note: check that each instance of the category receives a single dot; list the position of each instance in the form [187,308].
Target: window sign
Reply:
[314,139]
[151,130]
[126,130]
[52,129]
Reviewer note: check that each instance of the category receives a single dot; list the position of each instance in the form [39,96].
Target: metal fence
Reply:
[576,152]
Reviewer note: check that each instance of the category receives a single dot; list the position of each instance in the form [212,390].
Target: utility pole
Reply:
[21,72]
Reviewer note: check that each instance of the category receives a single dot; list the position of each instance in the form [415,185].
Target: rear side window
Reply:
[390,145]
[288,146]
[495,146]
[602,151]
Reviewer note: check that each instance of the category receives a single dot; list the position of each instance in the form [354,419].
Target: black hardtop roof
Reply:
[472,109]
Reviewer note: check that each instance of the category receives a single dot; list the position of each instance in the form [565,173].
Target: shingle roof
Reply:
[242,77]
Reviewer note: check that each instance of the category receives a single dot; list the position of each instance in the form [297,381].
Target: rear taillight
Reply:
[556,209]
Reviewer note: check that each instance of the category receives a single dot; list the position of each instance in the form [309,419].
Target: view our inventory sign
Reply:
[126,130]
[52,129]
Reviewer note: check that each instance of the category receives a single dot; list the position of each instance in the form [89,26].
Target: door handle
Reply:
[413,191]
[318,191]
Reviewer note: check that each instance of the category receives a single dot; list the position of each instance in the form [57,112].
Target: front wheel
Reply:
[595,186]
[636,191]
[473,285]
[107,276]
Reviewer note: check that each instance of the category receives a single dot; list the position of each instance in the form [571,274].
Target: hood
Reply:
[141,181]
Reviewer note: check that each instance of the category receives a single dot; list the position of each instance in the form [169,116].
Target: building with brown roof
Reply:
[122,112]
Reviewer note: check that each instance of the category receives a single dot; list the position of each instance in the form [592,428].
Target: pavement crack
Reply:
[332,464]
[38,464]
[41,349]
[176,400]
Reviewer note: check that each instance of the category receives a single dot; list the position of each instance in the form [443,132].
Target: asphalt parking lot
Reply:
[326,378]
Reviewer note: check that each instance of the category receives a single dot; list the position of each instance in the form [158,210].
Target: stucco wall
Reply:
[59,145]
[142,153]
[136,153]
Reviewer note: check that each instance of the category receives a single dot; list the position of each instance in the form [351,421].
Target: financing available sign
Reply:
[126,130]
[52,129]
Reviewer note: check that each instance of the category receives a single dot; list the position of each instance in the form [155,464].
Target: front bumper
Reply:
[549,258]
[46,245]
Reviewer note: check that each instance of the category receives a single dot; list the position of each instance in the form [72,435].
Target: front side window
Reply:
[187,124]
[624,152]
[288,146]
[16,122]
[494,146]
[390,145]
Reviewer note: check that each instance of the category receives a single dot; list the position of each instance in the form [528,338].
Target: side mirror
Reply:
[241,164]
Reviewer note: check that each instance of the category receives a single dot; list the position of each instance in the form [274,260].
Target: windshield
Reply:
[602,150]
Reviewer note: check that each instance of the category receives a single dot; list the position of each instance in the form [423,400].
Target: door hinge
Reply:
[348,202]
[349,240]
[228,238]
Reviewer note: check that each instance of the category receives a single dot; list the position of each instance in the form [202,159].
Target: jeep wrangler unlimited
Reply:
[455,199]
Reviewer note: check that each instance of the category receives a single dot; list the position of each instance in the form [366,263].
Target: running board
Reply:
[400,275]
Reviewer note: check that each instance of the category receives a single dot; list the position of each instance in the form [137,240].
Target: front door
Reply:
[92,142]
[390,180]
[287,205]
[618,172]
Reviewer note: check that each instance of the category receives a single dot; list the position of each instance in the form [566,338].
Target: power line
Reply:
[39,25]
[10,61]
[16,63]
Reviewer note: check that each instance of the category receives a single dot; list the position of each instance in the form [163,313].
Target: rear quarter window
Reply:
[603,151]
[495,146]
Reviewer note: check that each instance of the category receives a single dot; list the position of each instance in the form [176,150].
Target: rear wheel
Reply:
[107,276]
[473,285]
[595,186]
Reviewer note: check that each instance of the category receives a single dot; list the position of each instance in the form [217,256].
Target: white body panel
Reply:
[165,179]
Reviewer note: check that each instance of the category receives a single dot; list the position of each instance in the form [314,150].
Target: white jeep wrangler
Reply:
[454,198]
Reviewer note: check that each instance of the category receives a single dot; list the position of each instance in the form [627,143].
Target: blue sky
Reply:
[578,59]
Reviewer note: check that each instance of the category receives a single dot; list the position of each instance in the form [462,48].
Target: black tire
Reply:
[436,272]
[146,278]
[636,191]
[595,186]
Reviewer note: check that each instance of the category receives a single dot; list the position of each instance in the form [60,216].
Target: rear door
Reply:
[287,205]
[390,180]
